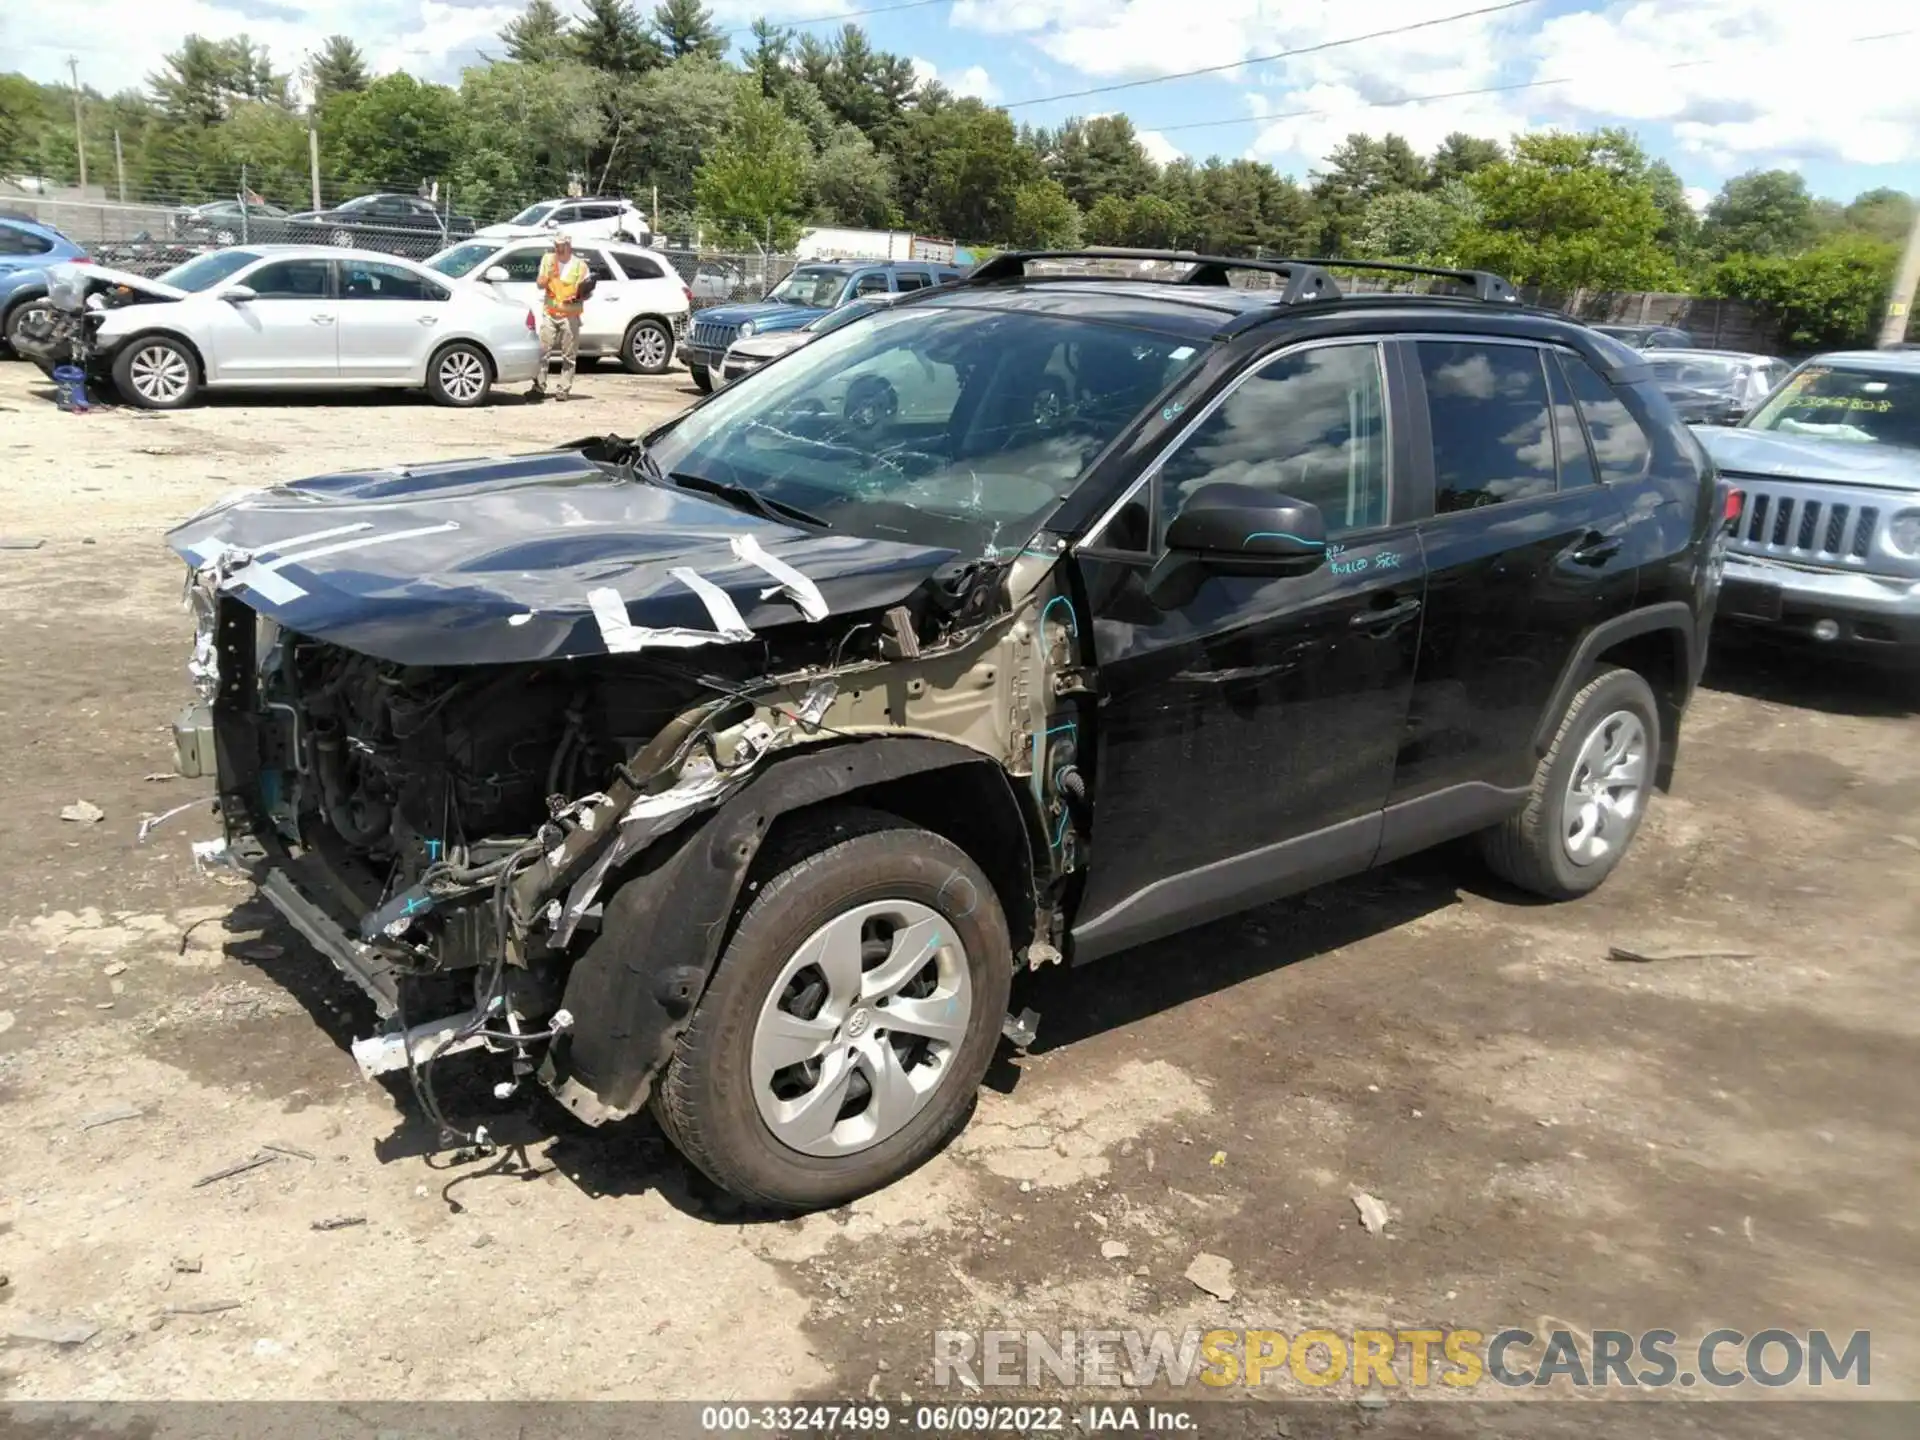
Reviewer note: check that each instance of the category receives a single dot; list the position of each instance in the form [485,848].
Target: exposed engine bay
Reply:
[61,330]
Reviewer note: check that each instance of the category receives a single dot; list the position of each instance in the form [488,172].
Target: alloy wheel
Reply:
[649,346]
[1606,789]
[860,1028]
[160,374]
[462,376]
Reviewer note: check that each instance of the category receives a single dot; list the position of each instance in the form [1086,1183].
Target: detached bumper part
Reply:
[193,743]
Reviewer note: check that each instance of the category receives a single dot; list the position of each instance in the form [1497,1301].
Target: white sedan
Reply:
[305,316]
[636,313]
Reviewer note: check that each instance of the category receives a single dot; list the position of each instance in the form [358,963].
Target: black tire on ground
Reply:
[826,866]
[19,316]
[647,348]
[701,378]
[1530,849]
[460,375]
[157,372]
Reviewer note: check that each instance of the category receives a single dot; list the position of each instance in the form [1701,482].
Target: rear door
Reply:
[289,331]
[1525,551]
[389,319]
[603,318]
[1247,730]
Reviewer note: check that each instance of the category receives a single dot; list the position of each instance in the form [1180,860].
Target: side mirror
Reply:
[238,294]
[1239,529]
[495,275]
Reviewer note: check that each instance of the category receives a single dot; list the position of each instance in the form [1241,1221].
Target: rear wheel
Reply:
[342,238]
[156,372]
[701,378]
[850,1021]
[1589,792]
[460,375]
[648,347]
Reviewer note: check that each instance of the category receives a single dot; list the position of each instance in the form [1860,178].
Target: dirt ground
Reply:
[1558,1138]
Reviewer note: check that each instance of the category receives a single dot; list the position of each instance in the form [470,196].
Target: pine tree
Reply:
[539,35]
[686,27]
[611,38]
[337,68]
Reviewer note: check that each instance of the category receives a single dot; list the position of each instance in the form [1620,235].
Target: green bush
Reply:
[1827,298]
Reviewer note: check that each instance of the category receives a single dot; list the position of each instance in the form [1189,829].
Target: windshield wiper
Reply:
[751,501]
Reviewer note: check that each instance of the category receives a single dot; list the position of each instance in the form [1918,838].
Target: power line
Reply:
[1277,55]
[834,19]
[1462,94]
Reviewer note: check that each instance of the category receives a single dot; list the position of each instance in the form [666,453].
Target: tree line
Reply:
[803,130]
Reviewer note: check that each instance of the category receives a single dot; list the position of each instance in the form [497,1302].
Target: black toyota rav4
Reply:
[737,767]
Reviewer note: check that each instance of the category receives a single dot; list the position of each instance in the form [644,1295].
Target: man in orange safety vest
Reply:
[562,279]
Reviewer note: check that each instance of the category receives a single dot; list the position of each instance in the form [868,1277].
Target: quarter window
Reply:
[1492,430]
[1619,444]
[22,242]
[639,267]
[1310,426]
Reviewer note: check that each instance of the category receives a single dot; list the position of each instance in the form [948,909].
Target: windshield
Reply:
[1866,407]
[461,259]
[942,425]
[816,289]
[845,315]
[1718,375]
[204,271]
[534,214]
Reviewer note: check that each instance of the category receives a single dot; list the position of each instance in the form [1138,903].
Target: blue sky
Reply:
[1712,86]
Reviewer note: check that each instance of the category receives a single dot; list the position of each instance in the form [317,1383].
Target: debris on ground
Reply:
[339,1222]
[1649,957]
[202,1307]
[263,1158]
[83,812]
[6,1021]
[50,1332]
[111,1117]
[151,823]
[1213,1274]
[1907,840]
[1219,1159]
[118,967]
[6,544]
[160,777]
[186,1264]
[1373,1214]
[1114,1250]
[280,1147]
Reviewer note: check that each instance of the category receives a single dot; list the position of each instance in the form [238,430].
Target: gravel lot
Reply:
[1687,1144]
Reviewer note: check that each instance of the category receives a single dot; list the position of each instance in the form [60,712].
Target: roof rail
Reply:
[1306,279]
[1481,284]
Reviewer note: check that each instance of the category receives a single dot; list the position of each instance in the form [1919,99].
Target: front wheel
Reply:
[460,376]
[156,372]
[30,320]
[850,1021]
[701,377]
[1589,792]
[648,348]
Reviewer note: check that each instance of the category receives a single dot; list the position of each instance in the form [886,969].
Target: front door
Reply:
[1525,549]
[288,331]
[389,322]
[1247,725]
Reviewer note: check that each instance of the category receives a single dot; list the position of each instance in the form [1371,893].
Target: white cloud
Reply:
[974,80]
[1698,198]
[1160,150]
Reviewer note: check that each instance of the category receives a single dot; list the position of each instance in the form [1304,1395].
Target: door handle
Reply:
[1596,549]
[429,319]
[323,319]
[1392,615]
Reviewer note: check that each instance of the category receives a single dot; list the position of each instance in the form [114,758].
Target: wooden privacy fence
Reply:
[1715,323]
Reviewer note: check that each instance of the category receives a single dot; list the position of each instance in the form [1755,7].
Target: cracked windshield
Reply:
[952,426]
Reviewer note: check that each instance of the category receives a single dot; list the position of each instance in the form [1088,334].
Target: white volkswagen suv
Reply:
[636,313]
[588,217]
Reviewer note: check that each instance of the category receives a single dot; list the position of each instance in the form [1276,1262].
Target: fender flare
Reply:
[1670,615]
[635,988]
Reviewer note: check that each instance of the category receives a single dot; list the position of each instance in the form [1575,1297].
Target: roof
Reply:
[1701,352]
[1902,362]
[290,251]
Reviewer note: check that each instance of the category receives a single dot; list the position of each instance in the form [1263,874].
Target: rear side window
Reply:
[911,280]
[15,241]
[1620,446]
[1310,426]
[1569,436]
[874,284]
[639,267]
[1492,429]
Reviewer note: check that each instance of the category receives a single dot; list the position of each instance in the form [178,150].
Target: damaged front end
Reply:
[519,807]
[65,329]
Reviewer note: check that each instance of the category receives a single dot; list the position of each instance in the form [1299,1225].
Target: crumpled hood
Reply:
[69,283]
[474,562]
[765,314]
[1811,457]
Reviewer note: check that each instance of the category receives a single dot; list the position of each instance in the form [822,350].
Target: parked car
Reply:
[232,222]
[636,313]
[797,299]
[27,248]
[1715,387]
[590,218]
[1029,620]
[746,355]
[293,317]
[381,221]
[1827,543]
[718,280]
[1649,337]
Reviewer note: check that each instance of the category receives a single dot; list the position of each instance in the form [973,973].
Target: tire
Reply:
[879,880]
[1554,847]
[342,237]
[225,237]
[647,348]
[19,317]
[460,375]
[156,372]
[701,378]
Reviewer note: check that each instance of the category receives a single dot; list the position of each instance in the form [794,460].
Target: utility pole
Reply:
[1905,281]
[120,167]
[313,161]
[79,134]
